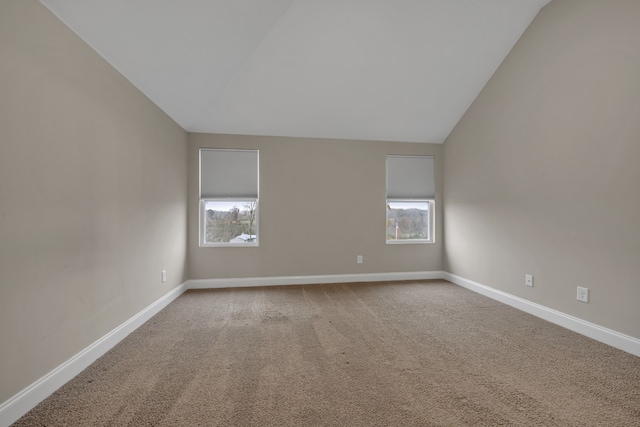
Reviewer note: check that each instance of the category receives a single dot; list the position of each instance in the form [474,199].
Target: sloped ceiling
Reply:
[395,70]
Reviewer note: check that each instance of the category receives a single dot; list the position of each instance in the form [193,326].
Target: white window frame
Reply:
[238,201]
[430,222]
[235,201]
[411,179]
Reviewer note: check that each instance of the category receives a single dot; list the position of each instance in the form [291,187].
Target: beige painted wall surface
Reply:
[92,196]
[541,174]
[322,203]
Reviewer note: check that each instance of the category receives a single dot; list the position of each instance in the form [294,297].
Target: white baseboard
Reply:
[21,403]
[308,280]
[24,401]
[27,399]
[591,330]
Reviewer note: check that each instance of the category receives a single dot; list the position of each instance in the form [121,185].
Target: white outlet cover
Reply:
[583,294]
[528,279]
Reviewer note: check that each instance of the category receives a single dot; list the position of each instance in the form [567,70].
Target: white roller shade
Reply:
[228,173]
[410,177]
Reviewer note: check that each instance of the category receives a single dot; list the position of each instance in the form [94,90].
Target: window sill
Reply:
[410,242]
[229,245]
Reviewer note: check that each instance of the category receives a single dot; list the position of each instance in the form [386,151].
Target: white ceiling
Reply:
[395,70]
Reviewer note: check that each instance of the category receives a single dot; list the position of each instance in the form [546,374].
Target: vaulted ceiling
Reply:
[395,70]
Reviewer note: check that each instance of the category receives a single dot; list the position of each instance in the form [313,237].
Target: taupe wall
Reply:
[322,203]
[540,176]
[542,173]
[92,196]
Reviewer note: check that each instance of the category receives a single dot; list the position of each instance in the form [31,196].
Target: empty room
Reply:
[319,213]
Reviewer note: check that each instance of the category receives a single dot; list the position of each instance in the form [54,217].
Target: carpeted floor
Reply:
[377,354]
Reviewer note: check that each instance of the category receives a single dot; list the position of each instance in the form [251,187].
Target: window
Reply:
[228,197]
[410,199]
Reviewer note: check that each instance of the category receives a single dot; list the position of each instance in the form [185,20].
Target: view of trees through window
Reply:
[230,221]
[408,220]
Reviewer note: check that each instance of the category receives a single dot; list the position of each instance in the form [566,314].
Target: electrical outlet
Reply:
[359,259]
[583,294]
[528,279]
[164,276]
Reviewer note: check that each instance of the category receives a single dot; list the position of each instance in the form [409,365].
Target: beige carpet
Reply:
[379,354]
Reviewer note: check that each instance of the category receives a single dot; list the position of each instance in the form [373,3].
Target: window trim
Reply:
[203,228]
[430,222]
[236,189]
